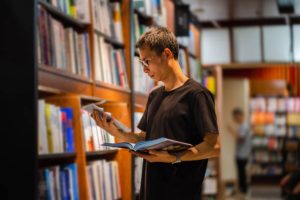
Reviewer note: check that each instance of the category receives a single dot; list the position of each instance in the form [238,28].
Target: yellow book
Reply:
[211,84]
[48,125]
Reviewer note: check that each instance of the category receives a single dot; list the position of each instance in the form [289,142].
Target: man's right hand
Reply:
[102,122]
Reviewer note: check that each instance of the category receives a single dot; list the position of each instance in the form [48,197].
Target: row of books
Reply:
[58,182]
[78,9]
[62,47]
[148,7]
[263,118]
[293,132]
[275,104]
[103,180]
[143,83]
[263,156]
[269,170]
[269,143]
[107,18]
[110,64]
[93,134]
[195,69]
[293,119]
[55,128]
[270,130]
[182,58]
[292,158]
[139,28]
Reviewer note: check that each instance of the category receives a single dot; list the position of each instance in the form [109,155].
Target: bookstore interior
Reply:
[60,59]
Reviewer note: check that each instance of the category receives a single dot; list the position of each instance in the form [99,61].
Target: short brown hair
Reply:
[157,39]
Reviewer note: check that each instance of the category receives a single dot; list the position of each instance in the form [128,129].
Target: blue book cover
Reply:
[73,168]
[48,183]
[68,179]
[69,131]
[63,185]
[156,144]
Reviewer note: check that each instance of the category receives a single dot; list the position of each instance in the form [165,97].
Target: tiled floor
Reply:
[259,193]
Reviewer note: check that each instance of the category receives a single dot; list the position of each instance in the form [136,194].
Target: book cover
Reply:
[90,107]
[156,144]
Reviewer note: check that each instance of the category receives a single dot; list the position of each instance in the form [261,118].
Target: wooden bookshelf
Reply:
[143,18]
[116,44]
[56,159]
[61,80]
[64,18]
[104,154]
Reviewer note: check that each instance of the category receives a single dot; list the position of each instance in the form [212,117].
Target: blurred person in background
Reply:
[242,135]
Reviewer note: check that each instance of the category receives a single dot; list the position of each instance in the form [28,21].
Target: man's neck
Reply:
[175,78]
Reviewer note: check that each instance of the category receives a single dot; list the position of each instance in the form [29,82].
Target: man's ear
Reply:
[168,53]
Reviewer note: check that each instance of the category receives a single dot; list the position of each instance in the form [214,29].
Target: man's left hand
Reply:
[156,156]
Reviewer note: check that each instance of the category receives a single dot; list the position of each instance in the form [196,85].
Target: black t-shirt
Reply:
[185,114]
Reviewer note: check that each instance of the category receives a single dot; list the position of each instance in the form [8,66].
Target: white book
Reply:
[96,180]
[81,55]
[42,130]
[117,20]
[107,67]
[90,184]
[97,59]
[113,182]
[107,180]
[54,128]
[57,182]
[100,140]
[71,182]
[117,175]
[102,58]
[102,179]
[51,179]
[72,51]
[86,129]
[83,10]
[94,134]
[57,47]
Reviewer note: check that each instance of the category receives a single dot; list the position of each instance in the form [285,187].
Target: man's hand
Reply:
[156,156]
[102,122]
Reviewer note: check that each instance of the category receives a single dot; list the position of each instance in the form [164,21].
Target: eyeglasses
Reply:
[145,63]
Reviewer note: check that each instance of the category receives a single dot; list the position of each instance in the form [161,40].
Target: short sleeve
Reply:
[204,113]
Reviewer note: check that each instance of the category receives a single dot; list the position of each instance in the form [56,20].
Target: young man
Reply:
[243,146]
[183,110]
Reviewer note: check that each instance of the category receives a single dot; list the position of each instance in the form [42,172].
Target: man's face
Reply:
[153,65]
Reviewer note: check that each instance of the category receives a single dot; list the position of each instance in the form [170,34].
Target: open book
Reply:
[157,144]
[90,107]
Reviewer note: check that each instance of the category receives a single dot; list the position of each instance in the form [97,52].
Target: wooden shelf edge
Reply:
[67,19]
[113,87]
[56,159]
[193,55]
[144,19]
[103,154]
[247,65]
[108,39]
[64,73]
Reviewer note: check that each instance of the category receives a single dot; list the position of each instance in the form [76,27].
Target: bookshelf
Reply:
[62,84]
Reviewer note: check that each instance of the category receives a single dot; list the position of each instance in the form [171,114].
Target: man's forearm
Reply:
[204,151]
[130,137]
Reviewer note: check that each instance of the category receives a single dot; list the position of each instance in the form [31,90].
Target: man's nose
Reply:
[146,70]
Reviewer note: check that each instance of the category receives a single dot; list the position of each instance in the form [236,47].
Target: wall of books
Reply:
[275,137]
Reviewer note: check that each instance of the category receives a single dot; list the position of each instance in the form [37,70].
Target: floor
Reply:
[258,193]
